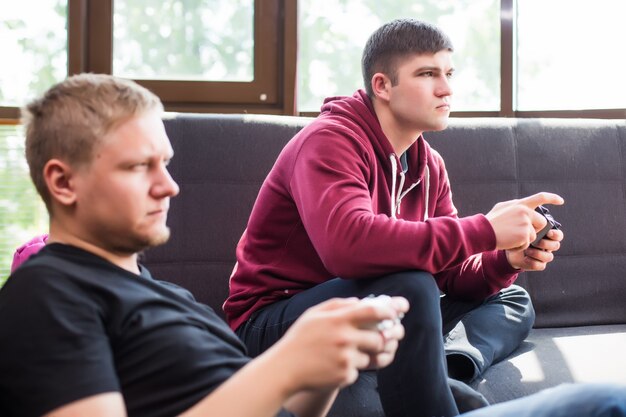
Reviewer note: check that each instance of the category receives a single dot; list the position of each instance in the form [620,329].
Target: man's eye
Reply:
[140,165]
[427,74]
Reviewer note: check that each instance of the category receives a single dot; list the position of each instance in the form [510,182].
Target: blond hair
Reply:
[71,118]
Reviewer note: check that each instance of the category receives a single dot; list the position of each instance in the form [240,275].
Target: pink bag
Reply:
[27,249]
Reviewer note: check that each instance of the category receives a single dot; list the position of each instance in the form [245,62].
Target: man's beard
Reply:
[136,244]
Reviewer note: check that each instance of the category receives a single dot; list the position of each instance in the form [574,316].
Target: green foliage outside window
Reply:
[331,40]
[184,39]
[22,213]
[35,45]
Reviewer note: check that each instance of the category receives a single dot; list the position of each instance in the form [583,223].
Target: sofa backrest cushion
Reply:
[221,160]
[491,160]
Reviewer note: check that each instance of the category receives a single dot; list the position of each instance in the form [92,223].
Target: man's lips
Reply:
[158,211]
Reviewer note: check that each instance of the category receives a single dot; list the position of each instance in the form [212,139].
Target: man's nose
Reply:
[165,185]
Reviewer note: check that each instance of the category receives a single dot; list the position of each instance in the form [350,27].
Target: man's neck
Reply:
[400,138]
[123,260]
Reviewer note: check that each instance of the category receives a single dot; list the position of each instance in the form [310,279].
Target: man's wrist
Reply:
[510,257]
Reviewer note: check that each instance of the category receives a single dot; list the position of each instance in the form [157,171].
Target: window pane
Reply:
[332,38]
[35,45]
[184,39]
[571,54]
[22,213]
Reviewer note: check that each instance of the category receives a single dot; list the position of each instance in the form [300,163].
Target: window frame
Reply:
[508,86]
[90,26]
[92,30]
[90,49]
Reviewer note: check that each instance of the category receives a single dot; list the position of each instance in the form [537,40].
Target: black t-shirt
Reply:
[74,325]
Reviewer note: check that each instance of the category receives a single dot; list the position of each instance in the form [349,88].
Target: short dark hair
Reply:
[396,40]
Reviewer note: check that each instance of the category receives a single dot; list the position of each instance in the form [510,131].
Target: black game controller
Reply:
[552,224]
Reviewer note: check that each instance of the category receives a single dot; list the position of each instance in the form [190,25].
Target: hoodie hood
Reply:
[359,110]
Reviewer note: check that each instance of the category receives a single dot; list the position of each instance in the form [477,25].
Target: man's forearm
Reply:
[314,403]
[265,390]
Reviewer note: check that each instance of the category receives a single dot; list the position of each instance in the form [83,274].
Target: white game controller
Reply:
[382,300]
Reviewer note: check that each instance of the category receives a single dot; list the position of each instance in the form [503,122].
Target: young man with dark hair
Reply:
[358,203]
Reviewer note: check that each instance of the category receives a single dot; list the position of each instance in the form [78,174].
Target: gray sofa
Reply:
[580,331]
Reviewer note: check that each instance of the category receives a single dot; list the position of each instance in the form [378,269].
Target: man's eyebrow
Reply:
[433,68]
[429,68]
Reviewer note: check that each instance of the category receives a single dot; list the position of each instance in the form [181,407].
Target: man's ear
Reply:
[381,84]
[60,182]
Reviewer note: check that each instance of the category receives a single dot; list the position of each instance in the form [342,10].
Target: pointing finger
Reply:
[542,198]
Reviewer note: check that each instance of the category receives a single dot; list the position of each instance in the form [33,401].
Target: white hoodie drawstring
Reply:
[396,201]
[427,190]
[394,172]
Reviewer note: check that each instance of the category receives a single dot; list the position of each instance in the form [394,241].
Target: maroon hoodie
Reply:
[325,211]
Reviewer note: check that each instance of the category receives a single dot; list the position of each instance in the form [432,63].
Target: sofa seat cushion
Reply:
[551,356]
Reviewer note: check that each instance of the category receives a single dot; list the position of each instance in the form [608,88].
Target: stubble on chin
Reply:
[138,244]
[442,125]
[160,238]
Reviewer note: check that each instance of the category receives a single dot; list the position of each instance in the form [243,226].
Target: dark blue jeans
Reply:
[415,384]
[477,335]
[568,400]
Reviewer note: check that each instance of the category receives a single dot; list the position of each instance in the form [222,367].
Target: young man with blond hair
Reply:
[84,328]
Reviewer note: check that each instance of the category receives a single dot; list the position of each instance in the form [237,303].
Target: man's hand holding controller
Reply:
[550,224]
[389,326]
[525,232]
[333,340]
[384,301]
